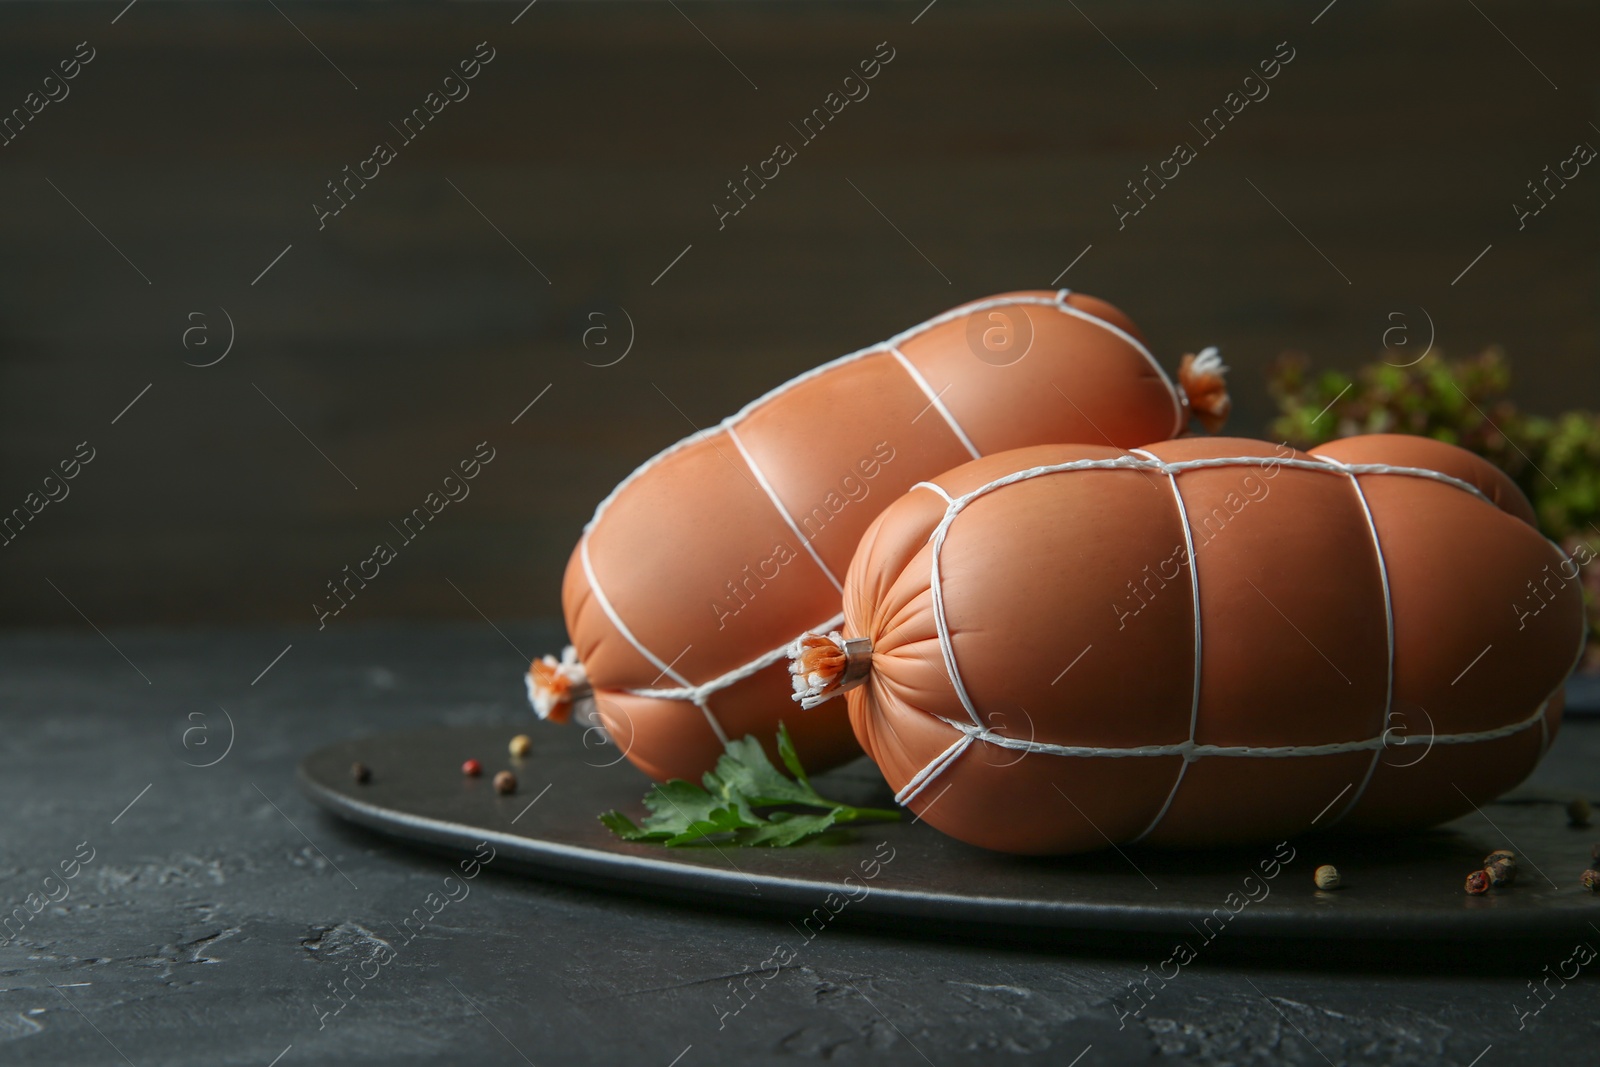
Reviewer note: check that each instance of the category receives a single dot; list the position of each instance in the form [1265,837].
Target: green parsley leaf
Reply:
[743,770]
[785,828]
[682,813]
[791,759]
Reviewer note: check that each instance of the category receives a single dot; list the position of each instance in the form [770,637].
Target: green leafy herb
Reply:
[683,813]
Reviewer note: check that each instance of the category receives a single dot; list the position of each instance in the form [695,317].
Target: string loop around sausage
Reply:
[1388,618]
[1194,596]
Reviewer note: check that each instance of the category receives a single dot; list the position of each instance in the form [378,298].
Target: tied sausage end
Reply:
[823,667]
[555,685]
[1200,377]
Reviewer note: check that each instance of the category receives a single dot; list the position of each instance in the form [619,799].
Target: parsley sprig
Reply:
[744,780]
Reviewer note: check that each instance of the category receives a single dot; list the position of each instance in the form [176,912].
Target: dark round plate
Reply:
[908,874]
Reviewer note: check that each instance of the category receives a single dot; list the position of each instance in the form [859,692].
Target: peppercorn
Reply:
[1500,854]
[1590,880]
[1578,812]
[505,783]
[360,772]
[1478,883]
[1502,872]
[521,745]
[472,768]
[1326,876]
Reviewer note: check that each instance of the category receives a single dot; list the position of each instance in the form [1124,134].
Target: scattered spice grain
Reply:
[1579,812]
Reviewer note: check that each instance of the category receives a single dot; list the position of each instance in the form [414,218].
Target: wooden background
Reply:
[410,329]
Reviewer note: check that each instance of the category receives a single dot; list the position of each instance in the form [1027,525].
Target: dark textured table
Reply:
[213,909]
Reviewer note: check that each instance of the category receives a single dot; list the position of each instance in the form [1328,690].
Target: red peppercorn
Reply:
[1478,882]
[505,783]
[472,768]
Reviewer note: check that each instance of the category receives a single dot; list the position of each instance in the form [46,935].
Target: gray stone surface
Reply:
[219,907]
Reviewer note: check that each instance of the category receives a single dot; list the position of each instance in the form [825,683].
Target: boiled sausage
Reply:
[700,569]
[1204,641]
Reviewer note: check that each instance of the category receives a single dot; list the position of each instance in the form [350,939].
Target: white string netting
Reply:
[976,730]
[700,694]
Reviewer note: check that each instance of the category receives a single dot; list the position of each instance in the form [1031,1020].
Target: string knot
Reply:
[823,667]
[1200,379]
[554,685]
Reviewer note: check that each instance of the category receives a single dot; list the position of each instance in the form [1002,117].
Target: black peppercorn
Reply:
[360,772]
[505,783]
